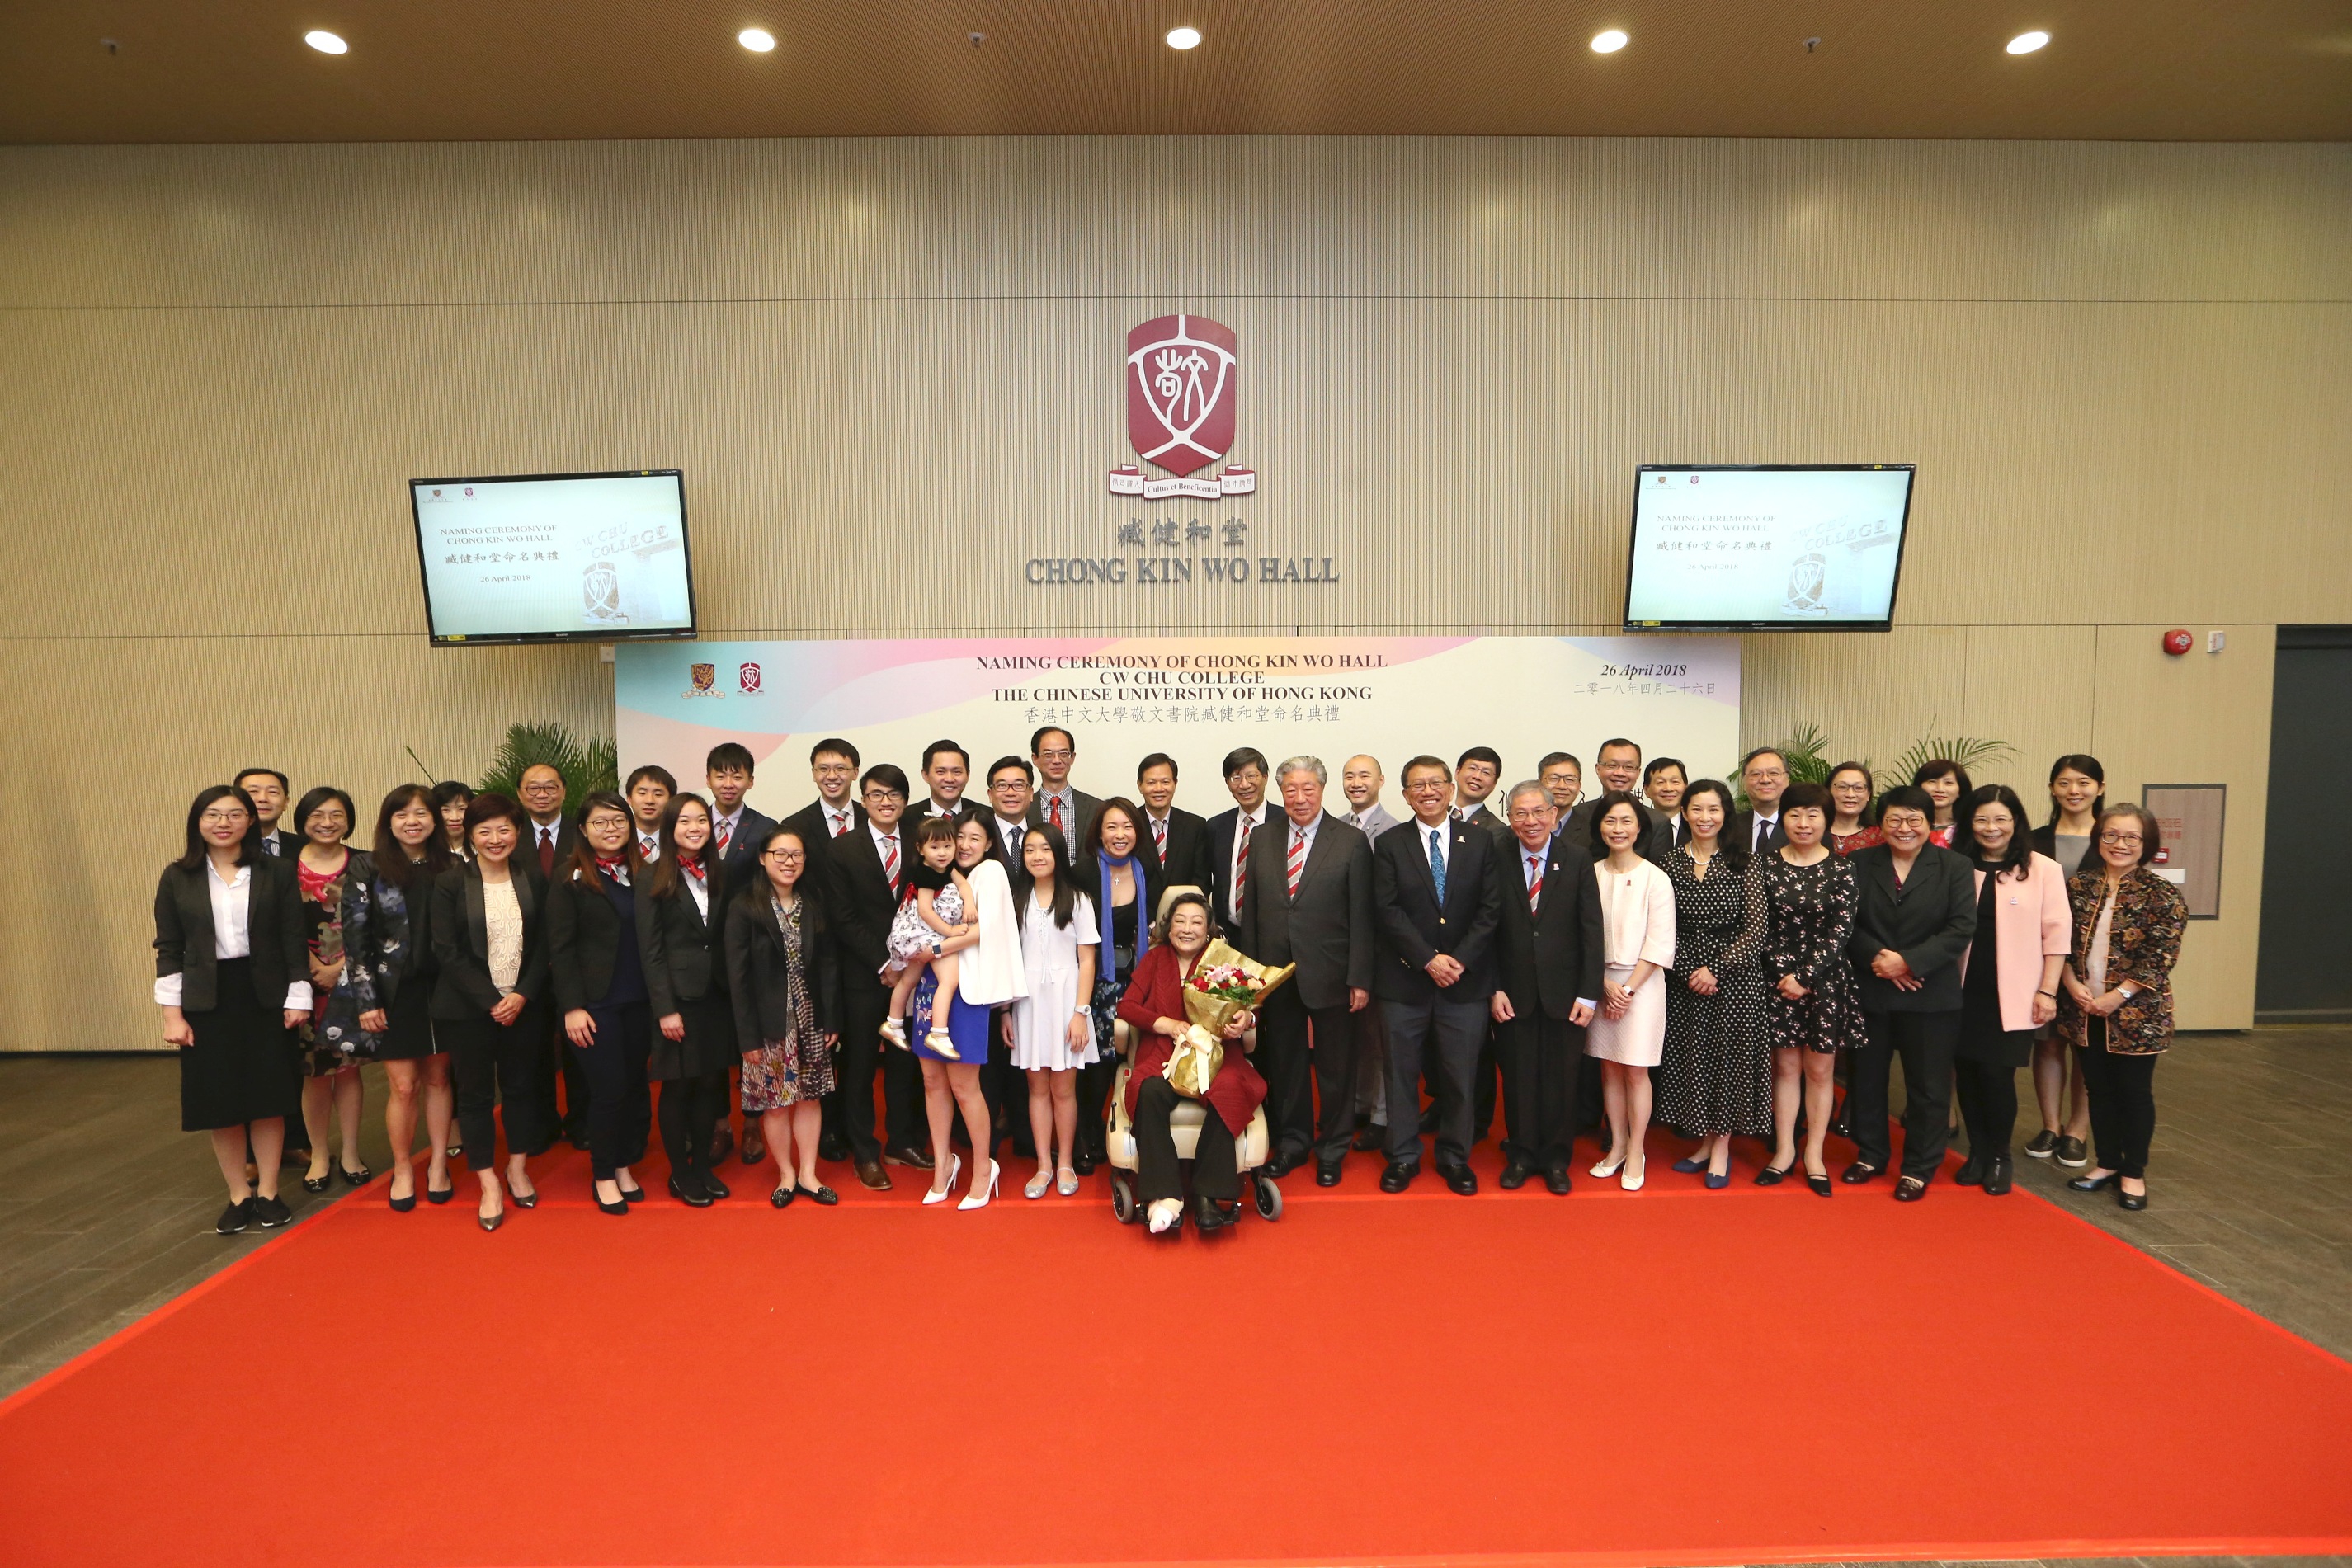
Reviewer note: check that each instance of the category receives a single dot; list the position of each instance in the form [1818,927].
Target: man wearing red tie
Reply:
[866,872]
[1059,805]
[1175,837]
[1306,899]
[736,830]
[833,763]
[1548,943]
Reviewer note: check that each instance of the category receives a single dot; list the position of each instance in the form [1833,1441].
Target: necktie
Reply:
[1053,811]
[547,852]
[840,823]
[1012,836]
[1297,856]
[1241,864]
[890,862]
[1763,832]
[1437,865]
[1159,840]
[726,832]
[1534,882]
[269,842]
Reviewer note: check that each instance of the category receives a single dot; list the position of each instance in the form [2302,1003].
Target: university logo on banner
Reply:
[1181,382]
[747,677]
[705,675]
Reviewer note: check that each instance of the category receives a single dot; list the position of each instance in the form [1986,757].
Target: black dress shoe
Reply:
[819,1194]
[235,1217]
[753,1152]
[1370,1140]
[2134,1201]
[1327,1173]
[1820,1183]
[715,1188]
[691,1194]
[1555,1180]
[722,1144]
[871,1174]
[1462,1179]
[1972,1170]
[1209,1216]
[269,1213]
[1770,1176]
[833,1149]
[1397,1177]
[1910,1189]
[438,1195]
[2093,1183]
[914,1159]
[1515,1176]
[1083,1162]
[1857,1173]
[1998,1174]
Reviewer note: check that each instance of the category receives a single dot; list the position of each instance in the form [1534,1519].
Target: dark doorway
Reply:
[2303,974]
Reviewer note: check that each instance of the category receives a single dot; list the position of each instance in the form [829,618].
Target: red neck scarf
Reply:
[691,863]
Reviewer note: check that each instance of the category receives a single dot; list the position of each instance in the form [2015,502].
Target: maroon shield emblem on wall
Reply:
[747,677]
[1180,391]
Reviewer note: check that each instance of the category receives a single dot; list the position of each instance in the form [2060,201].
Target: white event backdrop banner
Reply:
[1195,698]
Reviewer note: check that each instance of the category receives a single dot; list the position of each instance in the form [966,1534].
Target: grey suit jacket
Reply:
[1073,829]
[1326,928]
[1371,823]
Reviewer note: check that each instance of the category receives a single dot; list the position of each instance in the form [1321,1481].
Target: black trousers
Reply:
[1925,1043]
[691,1110]
[1157,1172]
[1297,1074]
[2122,1091]
[1095,1079]
[1485,1079]
[1006,1089]
[1442,1036]
[620,1104]
[497,1065]
[1543,1060]
[849,1109]
[1988,1093]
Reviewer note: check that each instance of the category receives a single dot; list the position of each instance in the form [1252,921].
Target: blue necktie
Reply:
[1438,867]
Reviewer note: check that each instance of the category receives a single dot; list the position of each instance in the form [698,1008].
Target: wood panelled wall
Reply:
[892,371]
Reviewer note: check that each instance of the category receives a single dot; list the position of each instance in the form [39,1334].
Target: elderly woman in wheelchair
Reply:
[1153,1128]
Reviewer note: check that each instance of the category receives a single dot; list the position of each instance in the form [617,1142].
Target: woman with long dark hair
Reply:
[2078,787]
[324,870]
[1851,827]
[450,800]
[783,978]
[1715,1081]
[1125,880]
[489,940]
[1051,1030]
[1947,784]
[386,995]
[681,936]
[230,977]
[2009,975]
[600,983]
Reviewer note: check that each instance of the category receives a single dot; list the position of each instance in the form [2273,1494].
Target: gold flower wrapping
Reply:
[1201,1049]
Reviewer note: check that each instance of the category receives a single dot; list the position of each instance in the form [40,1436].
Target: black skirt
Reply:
[245,1066]
[1982,1040]
[709,1047]
[408,1031]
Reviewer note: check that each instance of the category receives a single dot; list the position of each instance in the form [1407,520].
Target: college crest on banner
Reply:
[1182,377]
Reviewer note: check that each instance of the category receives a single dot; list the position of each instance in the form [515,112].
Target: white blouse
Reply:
[503,923]
[232,901]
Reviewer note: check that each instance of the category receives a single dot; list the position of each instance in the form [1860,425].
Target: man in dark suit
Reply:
[1475,773]
[1562,777]
[1306,899]
[268,789]
[1058,804]
[549,837]
[1763,777]
[736,830]
[866,873]
[1549,952]
[1176,840]
[1436,896]
[1664,782]
[836,810]
[1012,795]
[1618,766]
[1232,833]
[947,769]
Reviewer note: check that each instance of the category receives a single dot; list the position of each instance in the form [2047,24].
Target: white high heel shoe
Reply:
[1632,1183]
[1609,1166]
[981,1201]
[940,1194]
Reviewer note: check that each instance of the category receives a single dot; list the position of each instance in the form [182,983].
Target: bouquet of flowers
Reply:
[1223,984]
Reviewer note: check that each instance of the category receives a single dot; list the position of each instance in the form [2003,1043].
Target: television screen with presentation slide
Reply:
[1767,549]
[554,557]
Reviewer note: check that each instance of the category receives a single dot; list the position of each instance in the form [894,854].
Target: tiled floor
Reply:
[111,1206]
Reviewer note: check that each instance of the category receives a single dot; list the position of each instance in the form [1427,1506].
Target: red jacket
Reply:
[1157,992]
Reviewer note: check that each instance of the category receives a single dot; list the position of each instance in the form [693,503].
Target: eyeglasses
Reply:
[222,819]
[879,797]
[2121,840]
[1055,756]
[787,857]
[1767,773]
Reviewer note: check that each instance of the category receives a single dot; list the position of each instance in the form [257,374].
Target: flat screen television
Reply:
[554,557]
[1769,548]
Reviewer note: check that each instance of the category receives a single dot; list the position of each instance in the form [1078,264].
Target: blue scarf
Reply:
[1106,959]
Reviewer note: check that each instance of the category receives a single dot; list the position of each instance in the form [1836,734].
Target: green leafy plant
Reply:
[1807,753]
[1969,751]
[586,762]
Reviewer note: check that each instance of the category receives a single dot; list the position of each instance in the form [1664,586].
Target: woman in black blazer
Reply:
[785,980]
[600,984]
[231,976]
[681,923]
[489,942]
[1917,914]
[385,995]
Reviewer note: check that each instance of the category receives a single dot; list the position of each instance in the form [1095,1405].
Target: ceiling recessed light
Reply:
[1183,38]
[759,41]
[2026,43]
[1609,42]
[326,43]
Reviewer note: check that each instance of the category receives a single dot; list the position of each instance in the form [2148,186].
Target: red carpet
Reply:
[1673,1377]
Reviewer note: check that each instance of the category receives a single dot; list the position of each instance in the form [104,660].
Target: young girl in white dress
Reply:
[1051,1031]
[1628,1035]
[933,913]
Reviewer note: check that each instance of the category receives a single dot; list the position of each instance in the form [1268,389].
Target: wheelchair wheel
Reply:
[1269,1199]
[1122,1200]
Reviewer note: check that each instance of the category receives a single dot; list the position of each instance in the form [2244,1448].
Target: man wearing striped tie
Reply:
[1548,948]
[1172,836]
[1308,901]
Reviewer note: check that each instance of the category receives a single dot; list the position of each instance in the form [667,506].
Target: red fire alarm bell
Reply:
[2177,642]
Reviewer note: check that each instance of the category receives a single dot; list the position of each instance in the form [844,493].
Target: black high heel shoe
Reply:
[1820,1184]
[633,1195]
[1771,1176]
[694,1196]
[359,1177]
[619,1206]
[2093,1183]
[2134,1201]
[522,1199]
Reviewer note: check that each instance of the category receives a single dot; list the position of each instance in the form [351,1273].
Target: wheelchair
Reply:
[1250,1150]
